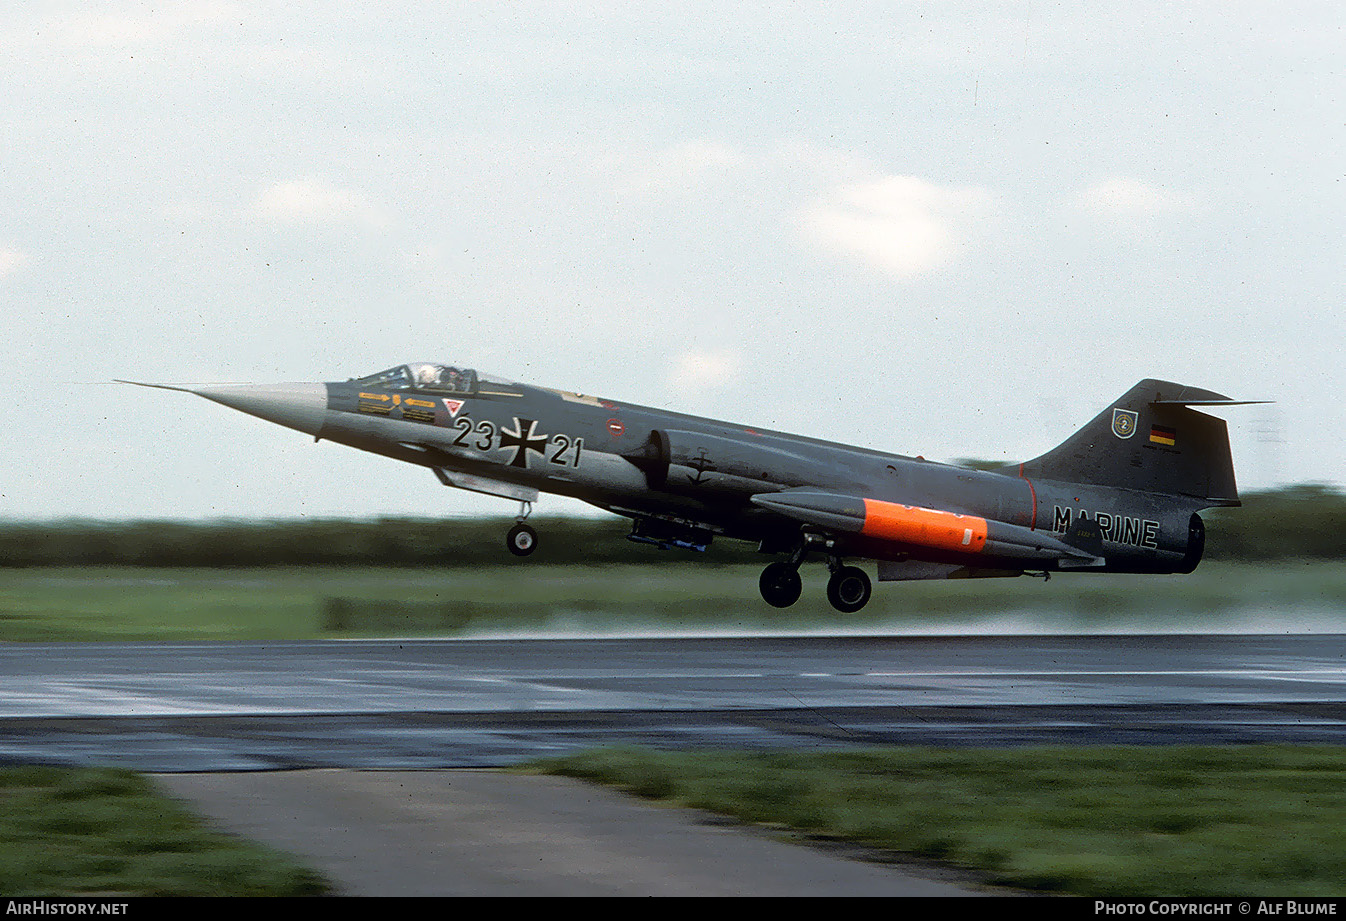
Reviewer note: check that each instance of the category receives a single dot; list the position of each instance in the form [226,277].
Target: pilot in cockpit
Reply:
[427,375]
[442,377]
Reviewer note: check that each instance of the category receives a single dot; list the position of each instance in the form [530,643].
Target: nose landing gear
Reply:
[522,539]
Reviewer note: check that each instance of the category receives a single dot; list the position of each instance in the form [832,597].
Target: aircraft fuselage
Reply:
[700,473]
[1119,495]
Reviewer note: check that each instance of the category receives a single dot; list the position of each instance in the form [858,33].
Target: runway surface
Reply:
[481,833]
[419,720]
[487,703]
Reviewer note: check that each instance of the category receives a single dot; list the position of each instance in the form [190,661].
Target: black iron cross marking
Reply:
[522,441]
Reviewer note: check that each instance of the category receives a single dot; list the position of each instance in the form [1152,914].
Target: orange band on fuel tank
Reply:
[924,526]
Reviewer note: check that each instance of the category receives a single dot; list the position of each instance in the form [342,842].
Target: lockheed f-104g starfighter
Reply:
[1122,494]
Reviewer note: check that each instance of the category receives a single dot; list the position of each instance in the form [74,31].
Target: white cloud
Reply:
[11,260]
[704,369]
[1129,198]
[904,226]
[313,201]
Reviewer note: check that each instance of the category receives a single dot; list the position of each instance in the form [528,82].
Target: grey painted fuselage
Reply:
[1120,495]
[639,461]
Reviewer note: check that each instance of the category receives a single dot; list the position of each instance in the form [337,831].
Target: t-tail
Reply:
[1150,440]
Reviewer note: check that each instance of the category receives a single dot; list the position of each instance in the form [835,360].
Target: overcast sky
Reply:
[940,228]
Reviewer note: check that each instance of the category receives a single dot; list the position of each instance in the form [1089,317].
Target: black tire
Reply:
[849,589]
[521,540]
[780,585]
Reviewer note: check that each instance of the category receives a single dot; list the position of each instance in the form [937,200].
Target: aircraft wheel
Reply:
[849,589]
[780,585]
[521,540]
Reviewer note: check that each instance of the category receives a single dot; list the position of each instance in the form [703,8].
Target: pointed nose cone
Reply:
[298,406]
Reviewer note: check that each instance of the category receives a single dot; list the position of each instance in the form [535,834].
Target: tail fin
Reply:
[1151,440]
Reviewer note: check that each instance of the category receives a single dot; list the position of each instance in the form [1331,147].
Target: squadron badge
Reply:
[1124,422]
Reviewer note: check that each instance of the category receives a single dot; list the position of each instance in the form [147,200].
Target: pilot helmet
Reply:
[426,374]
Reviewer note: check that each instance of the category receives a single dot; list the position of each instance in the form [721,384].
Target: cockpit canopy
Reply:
[423,375]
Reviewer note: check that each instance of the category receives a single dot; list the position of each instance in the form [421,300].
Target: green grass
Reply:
[1102,821]
[124,603]
[1106,821]
[87,831]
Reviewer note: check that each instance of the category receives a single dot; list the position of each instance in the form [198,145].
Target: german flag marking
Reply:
[1162,435]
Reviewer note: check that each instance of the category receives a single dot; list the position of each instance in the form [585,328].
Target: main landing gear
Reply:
[848,589]
[780,584]
[522,539]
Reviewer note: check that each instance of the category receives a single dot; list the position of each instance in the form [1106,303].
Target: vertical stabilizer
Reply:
[1151,440]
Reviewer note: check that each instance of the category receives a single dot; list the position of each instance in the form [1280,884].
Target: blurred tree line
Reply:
[1303,522]
[339,542]
[1296,522]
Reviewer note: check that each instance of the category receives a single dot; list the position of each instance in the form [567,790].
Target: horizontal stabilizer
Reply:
[1167,394]
[1209,402]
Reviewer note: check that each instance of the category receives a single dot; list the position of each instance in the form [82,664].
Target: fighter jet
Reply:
[1122,494]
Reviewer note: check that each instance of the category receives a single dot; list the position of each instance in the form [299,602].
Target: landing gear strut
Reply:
[522,539]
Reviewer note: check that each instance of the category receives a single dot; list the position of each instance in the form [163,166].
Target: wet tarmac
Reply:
[487,703]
